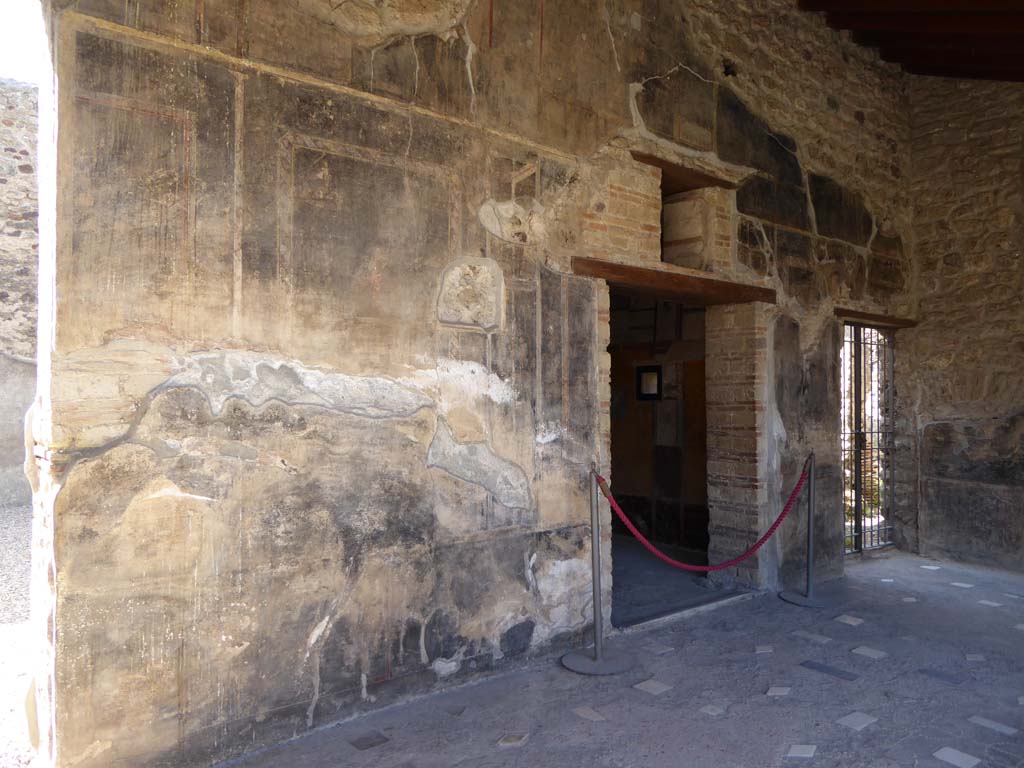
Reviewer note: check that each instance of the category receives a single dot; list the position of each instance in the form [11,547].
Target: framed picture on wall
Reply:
[648,382]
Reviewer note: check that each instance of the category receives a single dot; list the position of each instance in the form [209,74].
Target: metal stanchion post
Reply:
[807,599]
[599,661]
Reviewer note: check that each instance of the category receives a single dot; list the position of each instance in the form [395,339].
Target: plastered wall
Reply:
[323,391]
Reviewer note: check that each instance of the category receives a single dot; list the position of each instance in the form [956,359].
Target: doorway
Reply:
[867,437]
[659,455]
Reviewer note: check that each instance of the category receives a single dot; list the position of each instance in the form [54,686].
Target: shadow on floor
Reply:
[645,588]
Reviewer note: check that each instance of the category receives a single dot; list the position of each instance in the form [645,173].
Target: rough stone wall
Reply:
[19,254]
[324,391]
[961,365]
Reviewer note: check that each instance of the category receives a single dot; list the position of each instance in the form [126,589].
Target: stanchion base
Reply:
[798,598]
[611,663]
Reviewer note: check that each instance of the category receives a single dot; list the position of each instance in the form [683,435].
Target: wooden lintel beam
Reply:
[941,42]
[963,73]
[991,24]
[975,60]
[686,289]
[873,319]
[912,6]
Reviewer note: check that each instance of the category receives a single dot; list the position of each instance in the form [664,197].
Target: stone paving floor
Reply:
[15,562]
[914,663]
[645,588]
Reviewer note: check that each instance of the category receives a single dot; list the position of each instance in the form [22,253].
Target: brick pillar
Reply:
[736,359]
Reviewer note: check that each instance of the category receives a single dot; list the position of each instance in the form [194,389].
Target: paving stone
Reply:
[819,639]
[909,599]
[512,740]
[946,677]
[961,584]
[858,721]
[778,690]
[871,653]
[802,750]
[653,687]
[975,656]
[762,649]
[368,740]
[931,567]
[853,621]
[956,757]
[713,709]
[992,725]
[990,604]
[590,714]
[826,669]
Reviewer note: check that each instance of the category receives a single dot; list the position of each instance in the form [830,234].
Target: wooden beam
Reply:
[992,24]
[872,319]
[917,57]
[676,178]
[955,73]
[940,42]
[690,290]
[913,6]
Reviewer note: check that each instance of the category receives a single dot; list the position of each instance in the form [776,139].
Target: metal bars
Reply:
[867,437]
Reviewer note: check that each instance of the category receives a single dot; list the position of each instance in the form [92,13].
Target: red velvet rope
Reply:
[603,484]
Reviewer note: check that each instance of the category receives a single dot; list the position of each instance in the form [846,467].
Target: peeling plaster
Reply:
[260,379]
[564,587]
[379,20]
[446,667]
[451,383]
[477,463]
[518,221]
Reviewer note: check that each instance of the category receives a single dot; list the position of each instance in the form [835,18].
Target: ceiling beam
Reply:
[931,58]
[1004,75]
[913,6]
[939,42]
[994,24]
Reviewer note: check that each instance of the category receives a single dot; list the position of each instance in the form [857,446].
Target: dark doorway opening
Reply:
[659,455]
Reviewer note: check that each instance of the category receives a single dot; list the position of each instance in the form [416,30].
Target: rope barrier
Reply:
[603,484]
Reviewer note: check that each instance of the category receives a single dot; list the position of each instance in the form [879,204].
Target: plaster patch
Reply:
[174,491]
[565,590]
[260,379]
[519,221]
[549,433]
[477,463]
[377,20]
[315,634]
[446,667]
[454,382]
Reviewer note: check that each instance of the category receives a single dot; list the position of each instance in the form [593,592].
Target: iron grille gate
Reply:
[867,437]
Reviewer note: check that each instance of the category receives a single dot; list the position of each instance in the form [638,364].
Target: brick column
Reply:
[736,356]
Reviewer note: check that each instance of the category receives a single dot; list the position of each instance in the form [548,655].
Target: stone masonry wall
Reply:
[962,364]
[19,254]
[325,391]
